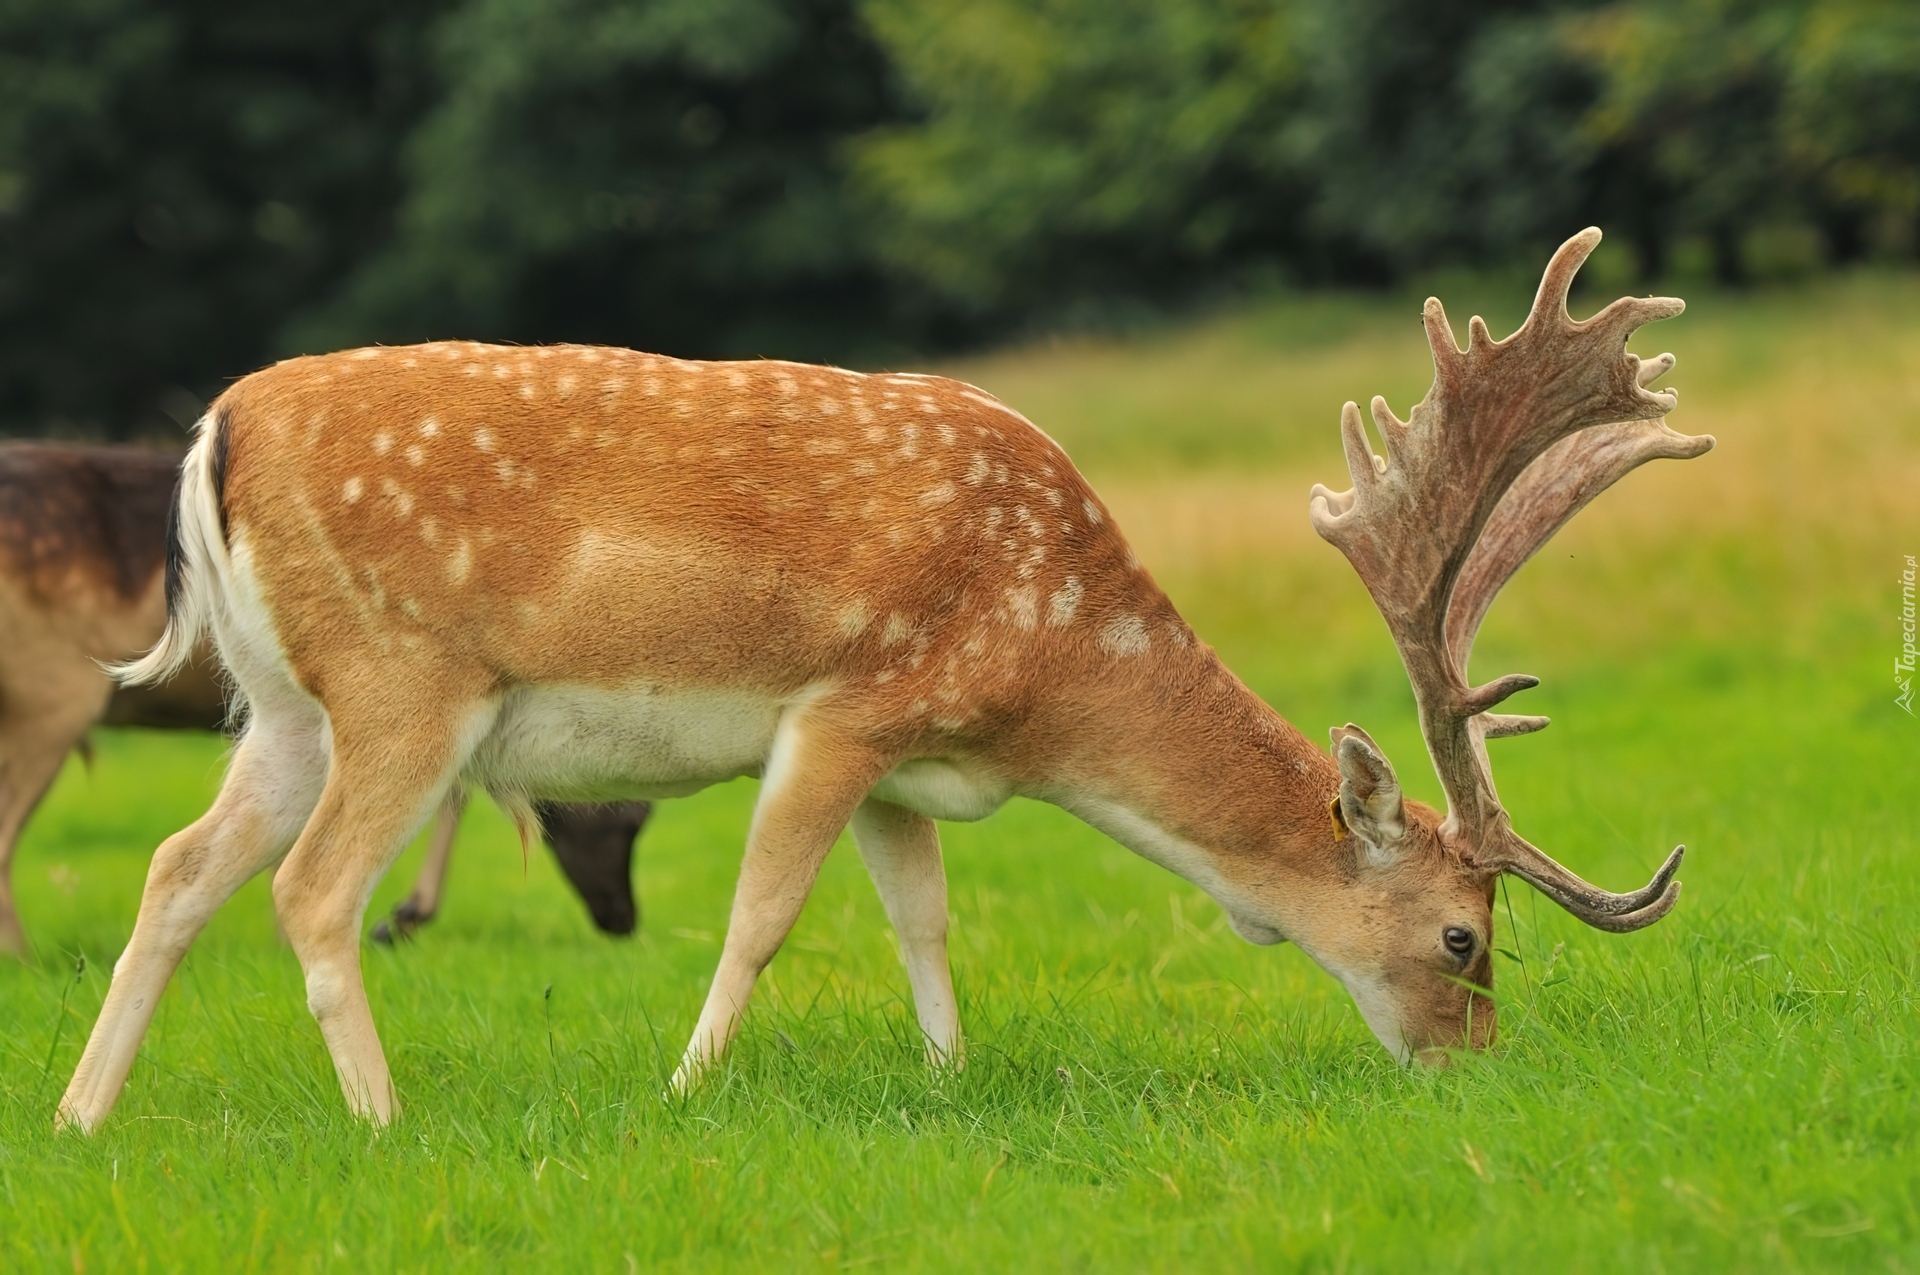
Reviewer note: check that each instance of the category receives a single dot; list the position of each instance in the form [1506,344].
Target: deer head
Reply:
[1512,440]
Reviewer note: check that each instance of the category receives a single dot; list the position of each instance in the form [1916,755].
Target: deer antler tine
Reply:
[1439,333]
[1640,311]
[1591,904]
[1336,502]
[1361,462]
[1651,370]
[1481,698]
[1392,428]
[1628,922]
[1550,303]
[1478,338]
[1505,725]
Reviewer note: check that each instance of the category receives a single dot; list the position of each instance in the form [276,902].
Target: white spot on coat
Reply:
[382,443]
[1023,604]
[401,497]
[483,439]
[351,490]
[1064,602]
[460,562]
[1125,635]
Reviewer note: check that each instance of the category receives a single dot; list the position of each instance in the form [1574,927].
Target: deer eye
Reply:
[1459,941]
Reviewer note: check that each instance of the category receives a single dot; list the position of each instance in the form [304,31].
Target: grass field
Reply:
[1736,1088]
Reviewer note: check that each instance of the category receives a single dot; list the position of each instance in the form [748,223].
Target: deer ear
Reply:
[1370,803]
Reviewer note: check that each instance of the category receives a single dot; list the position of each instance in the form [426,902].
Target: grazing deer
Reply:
[588,572]
[591,841]
[82,550]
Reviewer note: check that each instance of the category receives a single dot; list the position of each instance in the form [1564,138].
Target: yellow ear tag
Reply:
[1339,820]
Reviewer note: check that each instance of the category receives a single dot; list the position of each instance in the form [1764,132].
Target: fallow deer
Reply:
[83,543]
[587,572]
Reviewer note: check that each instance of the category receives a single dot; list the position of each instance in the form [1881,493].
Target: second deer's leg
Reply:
[902,852]
[814,779]
[390,768]
[47,704]
[422,903]
[268,793]
[30,759]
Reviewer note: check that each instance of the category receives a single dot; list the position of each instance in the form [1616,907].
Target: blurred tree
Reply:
[175,178]
[661,173]
[1076,148]
[1068,148]
[1434,129]
[1693,88]
[1852,120]
[190,187]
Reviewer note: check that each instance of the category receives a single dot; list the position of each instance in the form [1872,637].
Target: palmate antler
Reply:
[1512,440]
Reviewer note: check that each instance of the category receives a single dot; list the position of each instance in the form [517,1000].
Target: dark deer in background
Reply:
[82,546]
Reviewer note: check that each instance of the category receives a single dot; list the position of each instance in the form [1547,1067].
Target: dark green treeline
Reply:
[191,188]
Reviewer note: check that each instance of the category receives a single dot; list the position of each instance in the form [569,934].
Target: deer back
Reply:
[596,516]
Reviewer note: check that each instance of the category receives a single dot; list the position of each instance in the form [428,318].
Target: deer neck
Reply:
[1196,773]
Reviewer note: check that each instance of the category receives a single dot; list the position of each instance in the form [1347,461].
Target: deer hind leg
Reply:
[269,792]
[390,768]
[901,849]
[422,904]
[815,777]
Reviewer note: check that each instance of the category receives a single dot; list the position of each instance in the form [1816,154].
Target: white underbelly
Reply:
[588,743]
[943,789]
[580,743]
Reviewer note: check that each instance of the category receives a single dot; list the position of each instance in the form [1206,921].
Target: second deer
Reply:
[82,552]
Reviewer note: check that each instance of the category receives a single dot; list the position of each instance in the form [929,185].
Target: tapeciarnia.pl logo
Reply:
[1903,663]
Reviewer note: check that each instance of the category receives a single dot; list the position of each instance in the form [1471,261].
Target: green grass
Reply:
[1732,1089]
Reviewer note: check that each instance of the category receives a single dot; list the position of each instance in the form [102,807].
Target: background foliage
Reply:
[189,188]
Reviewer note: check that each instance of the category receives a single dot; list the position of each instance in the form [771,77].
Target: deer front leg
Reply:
[269,791]
[422,904]
[901,849]
[814,778]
